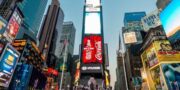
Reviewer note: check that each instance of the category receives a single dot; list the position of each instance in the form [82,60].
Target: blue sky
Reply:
[113,14]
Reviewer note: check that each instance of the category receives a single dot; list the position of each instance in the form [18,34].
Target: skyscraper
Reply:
[92,48]
[66,48]
[161,4]
[48,27]
[54,51]
[7,7]
[132,23]
[33,11]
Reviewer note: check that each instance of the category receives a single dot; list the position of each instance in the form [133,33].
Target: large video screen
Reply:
[170,18]
[172,75]
[93,5]
[13,26]
[92,49]
[92,23]
[8,63]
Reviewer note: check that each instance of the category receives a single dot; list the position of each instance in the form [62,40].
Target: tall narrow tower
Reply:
[92,50]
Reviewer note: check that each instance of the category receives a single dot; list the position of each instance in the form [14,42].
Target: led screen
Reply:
[92,5]
[8,62]
[92,23]
[92,49]
[13,26]
[170,18]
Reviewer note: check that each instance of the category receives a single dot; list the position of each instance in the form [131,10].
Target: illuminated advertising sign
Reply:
[151,20]
[92,23]
[172,75]
[77,74]
[8,62]
[158,81]
[151,56]
[130,37]
[3,23]
[13,26]
[91,68]
[93,5]
[165,52]
[92,49]
[170,18]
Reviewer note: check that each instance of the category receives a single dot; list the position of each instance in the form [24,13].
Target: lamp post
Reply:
[64,59]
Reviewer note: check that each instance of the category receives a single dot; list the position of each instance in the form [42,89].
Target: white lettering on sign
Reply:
[98,54]
[91,68]
[88,50]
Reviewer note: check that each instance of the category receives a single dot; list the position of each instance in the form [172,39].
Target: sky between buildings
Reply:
[113,14]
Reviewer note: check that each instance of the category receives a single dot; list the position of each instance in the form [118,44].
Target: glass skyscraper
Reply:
[33,11]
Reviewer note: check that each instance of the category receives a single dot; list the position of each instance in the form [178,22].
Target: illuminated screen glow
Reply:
[92,49]
[170,18]
[8,63]
[92,23]
[13,26]
[92,5]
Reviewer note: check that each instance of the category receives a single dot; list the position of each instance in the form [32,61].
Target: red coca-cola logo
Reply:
[92,49]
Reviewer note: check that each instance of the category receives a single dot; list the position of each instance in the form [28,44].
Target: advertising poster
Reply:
[92,49]
[165,51]
[130,37]
[170,21]
[8,63]
[151,56]
[157,78]
[77,74]
[172,75]
[93,5]
[151,20]
[92,23]
[3,23]
[13,26]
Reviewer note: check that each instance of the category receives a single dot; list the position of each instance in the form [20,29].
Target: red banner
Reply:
[92,49]
[53,71]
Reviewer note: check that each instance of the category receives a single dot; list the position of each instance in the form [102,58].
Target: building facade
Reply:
[54,52]
[7,7]
[161,4]
[33,11]
[48,28]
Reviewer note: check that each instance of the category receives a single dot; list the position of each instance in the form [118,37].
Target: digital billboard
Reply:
[151,20]
[93,5]
[130,37]
[8,62]
[165,52]
[13,26]
[91,68]
[92,23]
[170,18]
[92,49]
[172,75]
[3,23]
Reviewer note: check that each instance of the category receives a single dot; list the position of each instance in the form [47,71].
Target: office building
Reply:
[48,28]
[33,11]
[133,24]
[7,8]
[55,46]
[161,4]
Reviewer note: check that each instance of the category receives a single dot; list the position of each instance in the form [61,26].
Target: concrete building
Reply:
[132,23]
[161,4]
[48,27]
[33,11]
[7,7]
[54,53]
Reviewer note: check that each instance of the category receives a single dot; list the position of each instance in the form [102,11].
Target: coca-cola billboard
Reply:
[92,49]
